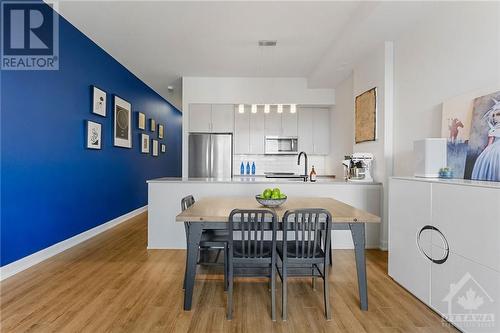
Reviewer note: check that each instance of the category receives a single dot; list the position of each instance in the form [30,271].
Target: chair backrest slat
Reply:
[251,224]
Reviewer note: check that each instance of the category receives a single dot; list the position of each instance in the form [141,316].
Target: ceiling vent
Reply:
[266,42]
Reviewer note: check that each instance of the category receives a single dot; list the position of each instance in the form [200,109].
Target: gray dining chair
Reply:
[210,240]
[304,247]
[250,249]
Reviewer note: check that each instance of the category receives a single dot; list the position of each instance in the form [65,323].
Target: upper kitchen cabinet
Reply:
[314,130]
[200,117]
[257,133]
[288,122]
[241,132]
[214,118]
[281,124]
[222,118]
[272,123]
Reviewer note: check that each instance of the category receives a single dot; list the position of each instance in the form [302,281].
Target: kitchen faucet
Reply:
[305,166]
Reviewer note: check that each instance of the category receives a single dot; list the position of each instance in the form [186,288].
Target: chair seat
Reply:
[266,249]
[292,249]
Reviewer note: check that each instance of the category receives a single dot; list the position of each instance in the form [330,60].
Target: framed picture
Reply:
[144,143]
[122,115]
[98,101]
[160,131]
[152,125]
[94,131]
[155,147]
[163,148]
[366,116]
[141,120]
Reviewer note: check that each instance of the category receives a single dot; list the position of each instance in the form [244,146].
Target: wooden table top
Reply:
[217,209]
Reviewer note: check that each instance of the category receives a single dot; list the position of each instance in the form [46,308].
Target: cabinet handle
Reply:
[446,245]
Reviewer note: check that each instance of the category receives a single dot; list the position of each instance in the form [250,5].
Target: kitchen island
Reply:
[165,194]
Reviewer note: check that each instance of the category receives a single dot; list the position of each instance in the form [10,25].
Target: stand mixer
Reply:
[357,167]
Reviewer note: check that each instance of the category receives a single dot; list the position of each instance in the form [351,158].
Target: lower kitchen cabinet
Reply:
[466,293]
[442,242]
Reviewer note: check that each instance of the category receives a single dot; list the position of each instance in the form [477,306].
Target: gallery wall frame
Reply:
[152,125]
[141,121]
[365,116]
[94,135]
[163,148]
[160,131]
[98,101]
[144,143]
[155,148]
[122,123]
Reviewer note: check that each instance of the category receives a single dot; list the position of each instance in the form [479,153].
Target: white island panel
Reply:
[164,197]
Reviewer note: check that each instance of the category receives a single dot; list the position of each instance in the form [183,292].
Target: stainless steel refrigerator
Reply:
[210,155]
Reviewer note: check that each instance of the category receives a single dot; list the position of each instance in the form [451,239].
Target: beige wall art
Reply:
[366,116]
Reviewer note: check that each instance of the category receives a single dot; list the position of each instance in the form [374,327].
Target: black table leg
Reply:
[194,236]
[358,236]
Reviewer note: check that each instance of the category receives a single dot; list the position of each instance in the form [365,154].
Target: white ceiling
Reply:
[161,41]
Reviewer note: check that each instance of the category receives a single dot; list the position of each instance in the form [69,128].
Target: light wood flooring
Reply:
[111,283]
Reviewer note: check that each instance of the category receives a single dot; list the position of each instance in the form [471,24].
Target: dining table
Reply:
[212,213]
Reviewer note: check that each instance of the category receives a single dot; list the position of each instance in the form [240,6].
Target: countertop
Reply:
[258,180]
[465,182]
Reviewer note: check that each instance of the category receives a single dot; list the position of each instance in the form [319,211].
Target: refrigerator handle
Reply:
[211,171]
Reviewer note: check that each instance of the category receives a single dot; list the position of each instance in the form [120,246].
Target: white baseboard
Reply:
[37,257]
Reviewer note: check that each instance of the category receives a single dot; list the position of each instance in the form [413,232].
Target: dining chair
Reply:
[210,240]
[304,247]
[250,249]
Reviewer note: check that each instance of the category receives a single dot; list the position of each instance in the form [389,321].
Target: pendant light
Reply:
[266,108]
[293,108]
[280,108]
[241,108]
[254,108]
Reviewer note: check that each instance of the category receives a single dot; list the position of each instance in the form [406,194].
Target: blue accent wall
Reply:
[52,187]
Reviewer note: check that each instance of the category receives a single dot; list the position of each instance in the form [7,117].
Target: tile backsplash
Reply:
[279,163]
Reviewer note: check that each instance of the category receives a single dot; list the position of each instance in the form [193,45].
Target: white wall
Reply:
[342,127]
[235,90]
[450,53]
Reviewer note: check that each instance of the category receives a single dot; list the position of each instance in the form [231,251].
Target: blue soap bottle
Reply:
[242,168]
[253,168]
[248,168]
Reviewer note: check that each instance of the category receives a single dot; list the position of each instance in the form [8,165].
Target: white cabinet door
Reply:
[466,293]
[200,117]
[321,131]
[305,129]
[409,212]
[469,218]
[288,122]
[257,133]
[272,123]
[222,118]
[241,132]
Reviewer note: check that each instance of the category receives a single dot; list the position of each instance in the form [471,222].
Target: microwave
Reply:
[281,145]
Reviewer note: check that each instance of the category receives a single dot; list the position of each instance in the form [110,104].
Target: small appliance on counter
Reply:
[357,167]
[430,157]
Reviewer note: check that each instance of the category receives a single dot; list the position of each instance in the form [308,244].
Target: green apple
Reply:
[267,193]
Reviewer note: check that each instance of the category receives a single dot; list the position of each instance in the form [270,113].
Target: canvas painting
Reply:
[98,101]
[122,130]
[144,143]
[141,121]
[155,147]
[160,131]
[483,150]
[94,136]
[366,116]
[456,127]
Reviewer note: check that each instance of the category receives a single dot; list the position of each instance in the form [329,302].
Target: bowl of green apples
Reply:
[271,197]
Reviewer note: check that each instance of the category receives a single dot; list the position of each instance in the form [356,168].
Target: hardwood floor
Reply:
[112,283]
